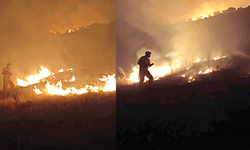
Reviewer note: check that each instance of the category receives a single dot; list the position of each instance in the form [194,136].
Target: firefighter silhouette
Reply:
[6,77]
[144,63]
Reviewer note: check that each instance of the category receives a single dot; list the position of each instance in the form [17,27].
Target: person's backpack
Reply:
[140,61]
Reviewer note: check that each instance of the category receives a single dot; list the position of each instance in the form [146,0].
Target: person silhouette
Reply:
[6,77]
[144,63]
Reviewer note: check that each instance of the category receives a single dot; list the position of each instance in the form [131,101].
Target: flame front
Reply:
[166,69]
[57,89]
[43,73]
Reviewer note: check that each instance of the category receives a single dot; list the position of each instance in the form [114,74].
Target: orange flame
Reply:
[37,90]
[110,84]
[72,79]
[160,71]
[43,73]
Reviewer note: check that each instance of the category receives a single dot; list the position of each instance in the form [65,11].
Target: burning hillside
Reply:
[192,48]
[46,82]
[175,66]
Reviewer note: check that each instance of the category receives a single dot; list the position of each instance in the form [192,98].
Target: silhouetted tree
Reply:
[216,13]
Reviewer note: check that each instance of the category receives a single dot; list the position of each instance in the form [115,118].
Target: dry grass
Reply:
[55,119]
[39,106]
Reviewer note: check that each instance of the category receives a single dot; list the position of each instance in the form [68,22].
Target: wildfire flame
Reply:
[110,82]
[57,89]
[201,17]
[43,73]
[160,71]
[37,90]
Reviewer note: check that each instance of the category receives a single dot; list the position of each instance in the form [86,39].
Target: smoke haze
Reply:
[162,27]
[146,13]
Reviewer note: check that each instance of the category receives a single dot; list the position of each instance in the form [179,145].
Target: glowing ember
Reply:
[61,70]
[43,73]
[208,71]
[201,17]
[69,31]
[52,32]
[197,60]
[216,58]
[72,79]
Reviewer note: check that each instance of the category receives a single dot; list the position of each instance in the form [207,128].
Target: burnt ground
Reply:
[211,113]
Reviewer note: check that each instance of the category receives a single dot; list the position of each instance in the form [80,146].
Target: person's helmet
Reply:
[147,52]
[8,64]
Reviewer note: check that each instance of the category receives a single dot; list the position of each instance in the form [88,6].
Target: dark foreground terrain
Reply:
[72,122]
[211,113]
